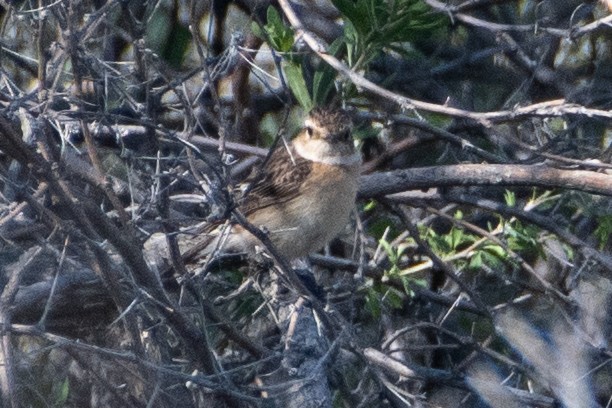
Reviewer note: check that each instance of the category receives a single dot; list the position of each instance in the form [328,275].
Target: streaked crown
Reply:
[333,125]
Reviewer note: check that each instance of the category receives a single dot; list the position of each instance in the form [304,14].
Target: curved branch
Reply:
[496,27]
[557,107]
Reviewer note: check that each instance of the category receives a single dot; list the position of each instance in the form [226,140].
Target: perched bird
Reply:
[306,192]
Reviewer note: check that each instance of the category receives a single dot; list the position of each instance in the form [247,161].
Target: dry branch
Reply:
[406,370]
[383,183]
[465,175]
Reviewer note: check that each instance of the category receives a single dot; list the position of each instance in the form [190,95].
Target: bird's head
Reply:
[326,138]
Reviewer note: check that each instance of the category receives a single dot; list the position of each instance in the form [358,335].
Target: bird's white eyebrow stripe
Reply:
[353,159]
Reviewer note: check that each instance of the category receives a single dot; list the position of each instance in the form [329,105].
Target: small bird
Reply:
[307,190]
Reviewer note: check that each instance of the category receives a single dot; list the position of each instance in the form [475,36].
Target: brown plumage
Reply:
[282,177]
[307,190]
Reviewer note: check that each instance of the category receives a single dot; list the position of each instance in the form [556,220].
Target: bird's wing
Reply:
[281,180]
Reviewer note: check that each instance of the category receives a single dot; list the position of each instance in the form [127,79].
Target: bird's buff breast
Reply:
[319,213]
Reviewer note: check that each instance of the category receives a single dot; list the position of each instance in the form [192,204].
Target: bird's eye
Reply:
[309,131]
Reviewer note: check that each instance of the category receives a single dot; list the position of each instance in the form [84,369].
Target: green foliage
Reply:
[167,36]
[177,45]
[369,27]
[510,198]
[390,20]
[281,38]
[604,227]
[372,25]
[469,251]
[275,32]
[596,208]
[379,297]
[372,303]
[61,391]
[394,254]
[522,238]
[488,256]
[370,205]
[450,243]
[297,84]
[325,78]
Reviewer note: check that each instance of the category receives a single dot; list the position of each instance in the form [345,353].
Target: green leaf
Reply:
[323,83]
[604,227]
[275,32]
[456,237]
[510,198]
[409,283]
[372,303]
[297,84]
[370,205]
[62,393]
[177,44]
[273,18]
[492,261]
[323,80]
[389,250]
[352,43]
[476,261]
[393,298]
[438,243]
[496,250]
[390,21]
[523,238]
[356,12]
[257,30]
[281,36]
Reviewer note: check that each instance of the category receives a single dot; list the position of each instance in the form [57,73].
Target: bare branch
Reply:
[506,175]
[423,373]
